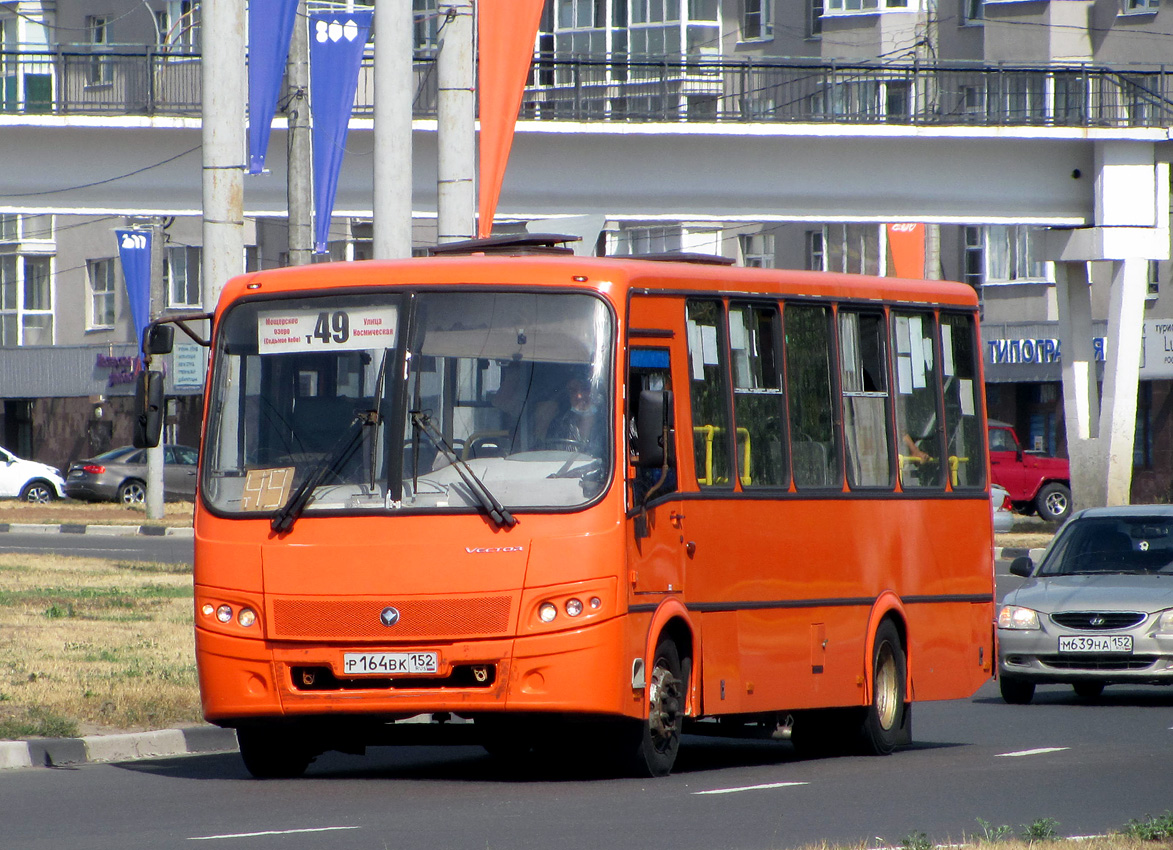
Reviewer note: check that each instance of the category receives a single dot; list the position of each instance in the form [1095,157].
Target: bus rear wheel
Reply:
[659,735]
[270,754]
[885,718]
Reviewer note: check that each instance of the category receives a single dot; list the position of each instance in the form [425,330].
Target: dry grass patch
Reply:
[175,514]
[94,644]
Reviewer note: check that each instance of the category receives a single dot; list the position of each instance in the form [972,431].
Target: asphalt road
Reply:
[1091,768]
[135,547]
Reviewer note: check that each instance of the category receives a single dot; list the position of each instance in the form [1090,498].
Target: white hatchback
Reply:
[29,480]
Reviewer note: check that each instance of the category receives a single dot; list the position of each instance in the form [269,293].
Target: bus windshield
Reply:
[429,401]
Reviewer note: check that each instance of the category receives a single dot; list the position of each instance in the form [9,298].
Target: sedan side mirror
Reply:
[1022,566]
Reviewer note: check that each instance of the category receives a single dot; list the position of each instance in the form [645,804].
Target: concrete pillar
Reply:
[456,114]
[1131,227]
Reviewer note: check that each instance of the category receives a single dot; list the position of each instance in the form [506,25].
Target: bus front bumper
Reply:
[578,671]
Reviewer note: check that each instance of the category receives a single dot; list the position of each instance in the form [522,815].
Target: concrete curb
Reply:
[58,752]
[1009,553]
[99,530]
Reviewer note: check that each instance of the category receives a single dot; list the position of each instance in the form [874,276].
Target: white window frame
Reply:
[1009,256]
[757,250]
[835,8]
[103,284]
[1140,7]
[20,312]
[183,292]
[841,234]
[758,16]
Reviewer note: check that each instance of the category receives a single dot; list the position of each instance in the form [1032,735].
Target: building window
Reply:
[850,7]
[178,25]
[815,260]
[1140,7]
[757,22]
[973,268]
[181,276]
[101,276]
[972,12]
[1013,254]
[101,71]
[814,19]
[1154,282]
[26,300]
[757,250]
[427,24]
[850,248]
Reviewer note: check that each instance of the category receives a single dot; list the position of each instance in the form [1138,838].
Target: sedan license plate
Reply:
[1095,643]
[390,663]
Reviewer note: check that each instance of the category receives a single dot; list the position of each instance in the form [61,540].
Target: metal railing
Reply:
[621,88]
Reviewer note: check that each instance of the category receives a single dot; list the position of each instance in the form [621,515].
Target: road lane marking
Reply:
[1036,752]
[270,832]
[750,788]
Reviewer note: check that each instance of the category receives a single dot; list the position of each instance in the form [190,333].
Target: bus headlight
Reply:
[246,617]
[547,612]
[224,613]
[1016,617]
[573,607]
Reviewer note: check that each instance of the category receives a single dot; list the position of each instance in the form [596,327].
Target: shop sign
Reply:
[1156,354]
[1035,351]
[122,369]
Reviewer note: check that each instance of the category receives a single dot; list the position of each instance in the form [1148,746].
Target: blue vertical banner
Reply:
[337,41]
[270,26]
[134,250]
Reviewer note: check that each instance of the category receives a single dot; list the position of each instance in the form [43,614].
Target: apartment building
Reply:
[66,347]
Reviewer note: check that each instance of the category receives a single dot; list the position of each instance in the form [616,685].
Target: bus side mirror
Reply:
[653,429]
[158,339]
[148,409]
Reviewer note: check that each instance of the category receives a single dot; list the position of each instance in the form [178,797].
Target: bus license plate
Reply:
[1095,643]
[390,663]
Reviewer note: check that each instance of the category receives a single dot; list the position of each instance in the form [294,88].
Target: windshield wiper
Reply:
[343,450]
[488,501]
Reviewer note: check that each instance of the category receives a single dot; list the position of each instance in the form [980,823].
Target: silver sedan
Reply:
[120,475]
[1097,610]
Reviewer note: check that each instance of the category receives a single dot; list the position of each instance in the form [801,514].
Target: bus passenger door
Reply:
[657,538]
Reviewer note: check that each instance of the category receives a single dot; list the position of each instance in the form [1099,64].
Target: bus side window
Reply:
[649,369]
[814,452]
[863,377]
[963,427]
[709,393]
[759,407]
[917,378]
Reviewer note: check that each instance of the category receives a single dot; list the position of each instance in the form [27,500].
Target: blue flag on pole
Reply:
[337,41]
[134,250]
[270,25]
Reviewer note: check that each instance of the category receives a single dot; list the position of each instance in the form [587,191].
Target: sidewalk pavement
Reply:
[59,752]
[100,530]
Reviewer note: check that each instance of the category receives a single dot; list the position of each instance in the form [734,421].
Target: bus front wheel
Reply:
[270,754]
[659,734]
[884,720]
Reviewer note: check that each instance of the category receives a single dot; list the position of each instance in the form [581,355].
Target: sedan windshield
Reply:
[437,401]
[1133,544]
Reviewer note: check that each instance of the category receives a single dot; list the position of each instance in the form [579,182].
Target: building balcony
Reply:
[627,89]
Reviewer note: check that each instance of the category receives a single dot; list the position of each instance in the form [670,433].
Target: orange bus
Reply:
[574,499]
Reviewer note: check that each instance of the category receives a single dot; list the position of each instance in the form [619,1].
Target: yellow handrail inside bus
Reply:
[954,462]
[710,431]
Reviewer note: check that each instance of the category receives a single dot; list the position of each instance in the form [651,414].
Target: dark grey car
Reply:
[121,474]
[1097,610]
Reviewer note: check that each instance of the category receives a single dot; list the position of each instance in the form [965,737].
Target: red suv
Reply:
[1036,483]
